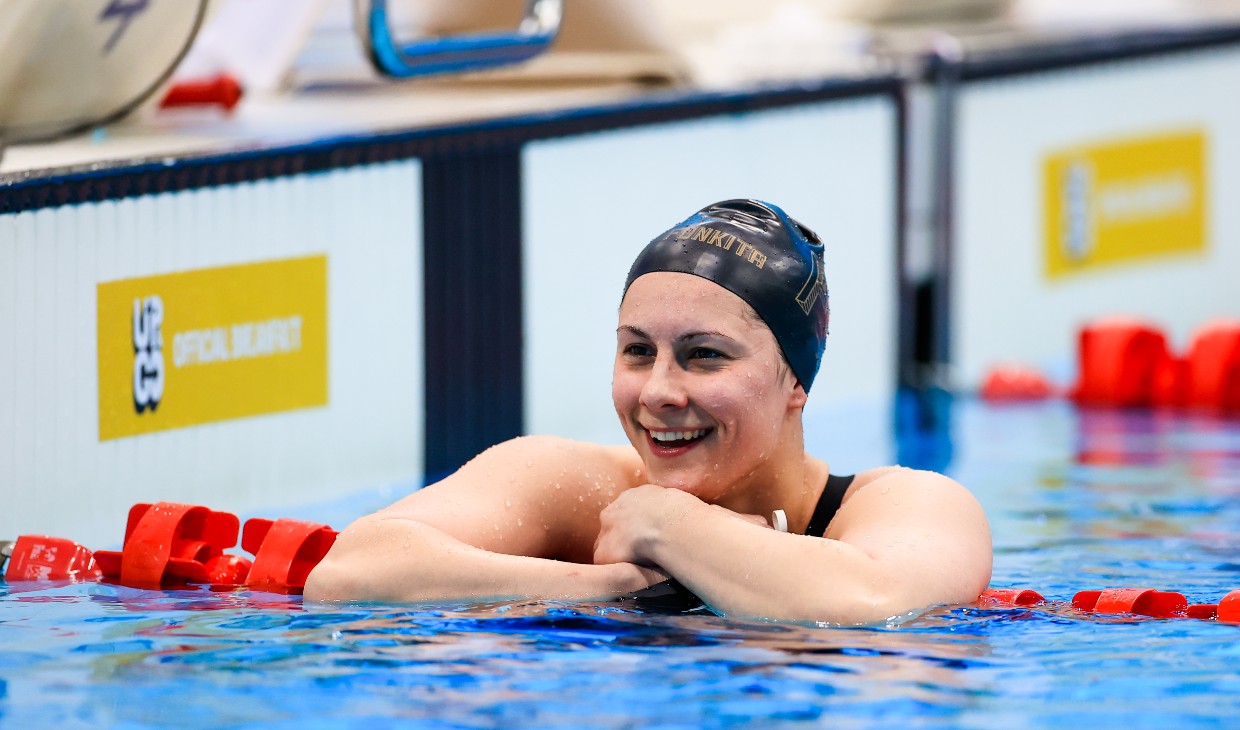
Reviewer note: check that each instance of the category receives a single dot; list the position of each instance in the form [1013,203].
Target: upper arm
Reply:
[927,535]
[537,496]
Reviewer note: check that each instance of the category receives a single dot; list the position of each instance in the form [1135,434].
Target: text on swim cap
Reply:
[712,237]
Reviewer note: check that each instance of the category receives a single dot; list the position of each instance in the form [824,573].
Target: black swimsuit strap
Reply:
[828,504]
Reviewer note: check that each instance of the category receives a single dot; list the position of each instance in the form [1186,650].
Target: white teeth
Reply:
[678,435]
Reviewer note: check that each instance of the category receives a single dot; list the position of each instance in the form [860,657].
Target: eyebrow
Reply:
[638,332]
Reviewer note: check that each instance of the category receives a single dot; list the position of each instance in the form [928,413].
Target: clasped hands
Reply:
[632,527]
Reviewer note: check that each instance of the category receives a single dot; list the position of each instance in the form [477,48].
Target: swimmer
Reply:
[722,326]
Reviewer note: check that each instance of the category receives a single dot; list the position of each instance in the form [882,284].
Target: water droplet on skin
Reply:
[508,503]
[580,498]
[886,488]
[557,485]
[495,525]
[519,522]
[406,545]
[529,464]
[512,478]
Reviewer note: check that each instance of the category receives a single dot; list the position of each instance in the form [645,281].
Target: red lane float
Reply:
[1118,601]
[40,557]
[1138,601]
[1214,367]
[1229,608]
[1126,362]
[1170,386]
[1117,359]
[1015,383]
[1010,597]
[285,551]
[169,543]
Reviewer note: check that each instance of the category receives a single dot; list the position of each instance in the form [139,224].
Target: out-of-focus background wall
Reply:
[262,252]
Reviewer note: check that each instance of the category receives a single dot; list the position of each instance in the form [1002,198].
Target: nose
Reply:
[664,388]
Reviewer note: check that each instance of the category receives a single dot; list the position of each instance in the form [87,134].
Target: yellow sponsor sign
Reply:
[1124,201]
[212,344]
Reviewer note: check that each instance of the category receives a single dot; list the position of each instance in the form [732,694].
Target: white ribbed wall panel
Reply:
[1003,307]
[56,476]
[592,203]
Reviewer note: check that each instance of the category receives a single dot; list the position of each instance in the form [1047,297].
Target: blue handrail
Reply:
[455,53]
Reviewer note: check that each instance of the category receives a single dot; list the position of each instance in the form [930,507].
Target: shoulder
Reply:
[538,496]
[541,456]
[895,497]
[906,478]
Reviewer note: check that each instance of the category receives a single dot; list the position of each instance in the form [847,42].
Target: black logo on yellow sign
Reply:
[148,356]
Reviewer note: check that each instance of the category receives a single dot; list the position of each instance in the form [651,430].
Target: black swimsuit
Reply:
[671,597]
[828,504]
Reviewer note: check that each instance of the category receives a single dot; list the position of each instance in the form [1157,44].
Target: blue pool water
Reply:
[1076,500]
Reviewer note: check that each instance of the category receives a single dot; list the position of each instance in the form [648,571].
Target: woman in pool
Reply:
[721,330]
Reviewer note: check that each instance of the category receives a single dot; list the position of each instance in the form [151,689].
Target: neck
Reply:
[790,480]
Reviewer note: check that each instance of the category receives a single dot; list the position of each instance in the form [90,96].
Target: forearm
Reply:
[742,569]
[396,559]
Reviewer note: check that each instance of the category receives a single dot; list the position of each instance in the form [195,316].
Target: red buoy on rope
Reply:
[169,543]
[1139,601]
[1229,608]
[1010,597]
[1117,359]
[1214,367]
[40,557]
[285,551]
[1015,383]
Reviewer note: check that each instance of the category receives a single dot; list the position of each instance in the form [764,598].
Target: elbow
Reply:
[877,601]
[330,580]
[880,606]
[365,565]
[860,607]
[350,570]
[895,600]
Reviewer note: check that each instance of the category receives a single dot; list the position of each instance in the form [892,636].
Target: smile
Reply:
[668,437]
[674,443]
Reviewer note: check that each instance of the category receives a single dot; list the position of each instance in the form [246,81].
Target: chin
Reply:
[699,485]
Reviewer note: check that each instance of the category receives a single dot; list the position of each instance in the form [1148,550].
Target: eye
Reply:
[638,349]
[705,353]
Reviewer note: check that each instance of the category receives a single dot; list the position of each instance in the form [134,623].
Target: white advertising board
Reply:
[275,355]
[1093,191]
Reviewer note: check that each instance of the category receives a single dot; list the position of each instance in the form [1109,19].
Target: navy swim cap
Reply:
[754,250]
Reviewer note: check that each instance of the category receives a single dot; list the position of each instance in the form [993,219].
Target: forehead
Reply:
[673,300]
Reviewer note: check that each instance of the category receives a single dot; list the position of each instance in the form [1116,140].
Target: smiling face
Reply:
[701,388]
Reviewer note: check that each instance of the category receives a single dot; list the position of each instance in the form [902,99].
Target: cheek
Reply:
[625,388]
[751,403]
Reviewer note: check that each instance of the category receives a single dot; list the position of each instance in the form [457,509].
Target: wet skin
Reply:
[714,420]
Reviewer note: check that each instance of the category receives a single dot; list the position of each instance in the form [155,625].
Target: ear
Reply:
[798,396]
